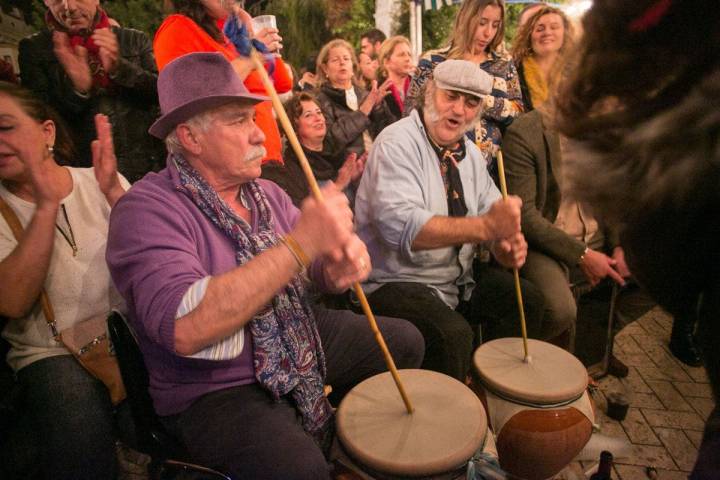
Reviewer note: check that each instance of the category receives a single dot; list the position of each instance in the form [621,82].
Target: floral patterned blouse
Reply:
[499,108]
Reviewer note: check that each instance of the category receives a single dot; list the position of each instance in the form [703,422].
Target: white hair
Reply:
[201,121]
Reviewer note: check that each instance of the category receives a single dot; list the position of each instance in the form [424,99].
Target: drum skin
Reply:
[448,425]
[535,443]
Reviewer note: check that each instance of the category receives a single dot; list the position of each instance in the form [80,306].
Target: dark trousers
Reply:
[67,424]
[243,432]
[451,335]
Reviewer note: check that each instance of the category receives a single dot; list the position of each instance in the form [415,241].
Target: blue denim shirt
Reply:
[401,189]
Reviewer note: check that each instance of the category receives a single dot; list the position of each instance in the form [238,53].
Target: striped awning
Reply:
[437,4]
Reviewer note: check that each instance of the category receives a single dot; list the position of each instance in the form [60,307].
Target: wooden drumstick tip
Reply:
[528,359]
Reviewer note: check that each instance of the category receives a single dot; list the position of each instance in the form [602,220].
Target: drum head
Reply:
[447,427]
[553,376]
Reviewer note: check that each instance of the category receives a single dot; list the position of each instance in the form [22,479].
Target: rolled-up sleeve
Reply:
[153,259]
[396,197]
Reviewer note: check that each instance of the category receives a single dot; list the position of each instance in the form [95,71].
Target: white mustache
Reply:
[255,153]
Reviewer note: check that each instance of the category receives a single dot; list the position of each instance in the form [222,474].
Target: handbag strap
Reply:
[17,229]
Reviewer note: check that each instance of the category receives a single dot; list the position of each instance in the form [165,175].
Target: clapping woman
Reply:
[64,212]
[354,115]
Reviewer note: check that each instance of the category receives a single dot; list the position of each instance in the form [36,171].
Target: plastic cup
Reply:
[263,21]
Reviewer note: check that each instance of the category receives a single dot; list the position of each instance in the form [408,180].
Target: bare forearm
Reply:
[232,299]
[442,232]
[23,272]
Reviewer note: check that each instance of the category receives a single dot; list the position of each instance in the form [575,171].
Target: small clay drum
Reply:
[448,425]
[539,410]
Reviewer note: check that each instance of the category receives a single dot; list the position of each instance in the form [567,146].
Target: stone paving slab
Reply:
[669,396]
[670,419]
[679,446]
[694,389]
[632,472]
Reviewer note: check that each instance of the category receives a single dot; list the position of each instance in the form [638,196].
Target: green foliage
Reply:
[437,25]
[302,23]
[361,18]
[145,15]
[512,16]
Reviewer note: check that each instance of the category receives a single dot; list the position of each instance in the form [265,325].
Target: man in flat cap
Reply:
[214,265]
[424,202]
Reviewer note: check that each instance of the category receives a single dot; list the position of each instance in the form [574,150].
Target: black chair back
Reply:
[153,439]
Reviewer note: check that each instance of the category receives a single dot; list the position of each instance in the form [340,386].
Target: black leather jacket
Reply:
[345,126]
[131,101]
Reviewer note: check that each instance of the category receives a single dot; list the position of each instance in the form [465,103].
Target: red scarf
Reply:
[84,38]
[395,92]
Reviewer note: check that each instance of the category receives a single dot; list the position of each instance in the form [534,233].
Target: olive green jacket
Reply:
[533,167]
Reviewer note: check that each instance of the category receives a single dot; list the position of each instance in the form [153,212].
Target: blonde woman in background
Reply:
[539,50]
[396,65]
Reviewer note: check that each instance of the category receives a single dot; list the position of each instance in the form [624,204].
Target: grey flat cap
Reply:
[462,76]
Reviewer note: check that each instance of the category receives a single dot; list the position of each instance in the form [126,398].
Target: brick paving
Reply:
[669,403]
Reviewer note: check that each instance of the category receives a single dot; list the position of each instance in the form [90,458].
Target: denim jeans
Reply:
[70,417]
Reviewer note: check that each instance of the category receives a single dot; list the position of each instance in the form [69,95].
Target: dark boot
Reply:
[682,340]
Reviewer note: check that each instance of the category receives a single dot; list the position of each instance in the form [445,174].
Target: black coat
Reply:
[131,101]
[345,126]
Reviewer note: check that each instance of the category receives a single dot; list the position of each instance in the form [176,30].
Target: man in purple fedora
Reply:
[216,266]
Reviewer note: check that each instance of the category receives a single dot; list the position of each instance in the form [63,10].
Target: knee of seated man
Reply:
[457,334]
[560,316]
[405,342]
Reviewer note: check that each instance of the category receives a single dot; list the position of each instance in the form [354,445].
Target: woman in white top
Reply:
[64,212]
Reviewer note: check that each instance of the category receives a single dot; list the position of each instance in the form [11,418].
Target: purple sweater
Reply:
[159,244]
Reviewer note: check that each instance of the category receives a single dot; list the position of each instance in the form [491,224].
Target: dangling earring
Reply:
[50,151]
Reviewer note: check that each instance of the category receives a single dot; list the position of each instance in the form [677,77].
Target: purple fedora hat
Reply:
[194,83]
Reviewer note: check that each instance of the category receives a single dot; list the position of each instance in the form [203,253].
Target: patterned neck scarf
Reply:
[84,39]
[449,159]
[287,354]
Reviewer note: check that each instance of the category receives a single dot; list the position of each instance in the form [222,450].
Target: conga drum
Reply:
[446,429]
[539,410]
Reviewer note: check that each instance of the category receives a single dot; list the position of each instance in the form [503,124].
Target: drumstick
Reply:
[516,273]
[315,189]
